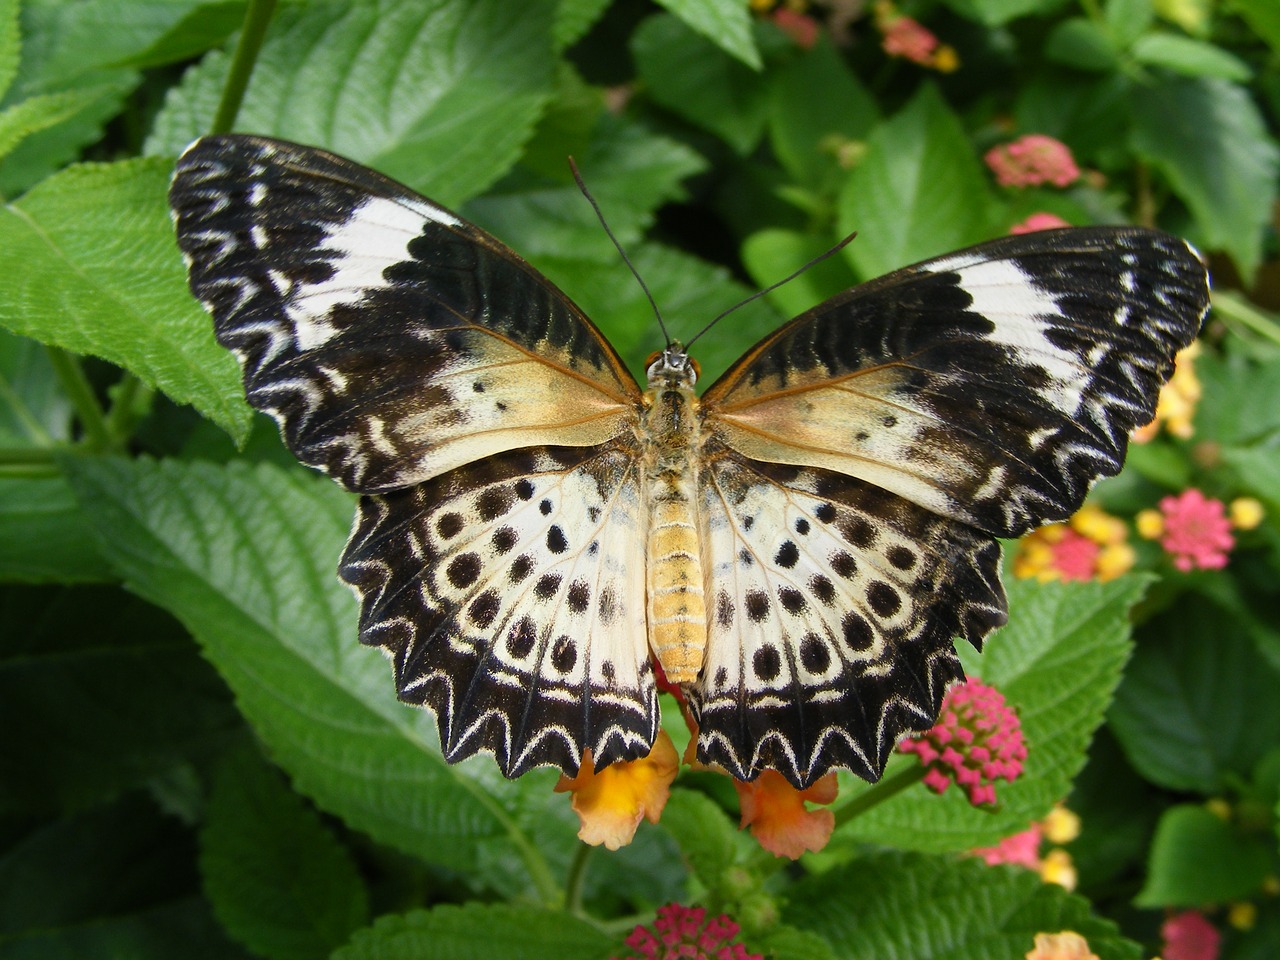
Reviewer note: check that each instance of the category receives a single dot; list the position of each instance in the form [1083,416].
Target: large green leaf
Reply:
[480,932]
[995,13]
[1058,663]
[726,23]
[244,557]
[1198,858]
[894,906]
[1207,136]
[91,266]
[917,193]
[277,878]
[1198,703]
[440,95]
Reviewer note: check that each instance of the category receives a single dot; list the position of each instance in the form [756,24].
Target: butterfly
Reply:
[797,547]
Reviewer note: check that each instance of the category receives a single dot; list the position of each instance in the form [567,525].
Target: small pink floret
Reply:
[1197,532]
[1033,160]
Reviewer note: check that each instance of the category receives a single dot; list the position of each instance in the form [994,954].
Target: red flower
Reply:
[976,741]
[1189,936]
[801,28]
[1032,160]
[1193,529]
[775,811]
[684,932]
[909,39]
[1039,221]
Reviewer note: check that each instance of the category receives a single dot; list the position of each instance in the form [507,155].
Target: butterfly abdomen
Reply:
[676,596]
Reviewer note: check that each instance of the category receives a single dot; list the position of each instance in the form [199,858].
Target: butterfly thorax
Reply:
[670,439]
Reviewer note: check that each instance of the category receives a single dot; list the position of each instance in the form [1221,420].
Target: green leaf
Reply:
[690,76]
[47,536]
[277,878]
[932,907]
[1081,43]
[1058,663]
[116,688]
[1198,858]
[995,13]
[244,558]
[440,95]
[93,268]
[574,18]
[1195,58]
[39,113]
[111,882]
[480,932]
[707,837]
[1208,138]
[1263,16]
[782,942]
[1240,405]
[1257,469]
[806,131]
[726,23]
[918,191]
[1127,20]
[34,410]
[1198,701]
[10,44]
[769,255]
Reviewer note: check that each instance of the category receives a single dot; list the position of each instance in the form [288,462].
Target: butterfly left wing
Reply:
[392,340]
[992,386]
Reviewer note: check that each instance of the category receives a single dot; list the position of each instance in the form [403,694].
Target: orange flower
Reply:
[611,802]
[776,813]
[1067,945]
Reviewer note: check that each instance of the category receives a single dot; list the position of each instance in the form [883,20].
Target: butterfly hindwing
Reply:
[392,340]
[511,602]
[833,612]
[993,385]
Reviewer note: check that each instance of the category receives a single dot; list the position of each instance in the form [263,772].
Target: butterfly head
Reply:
[671,366]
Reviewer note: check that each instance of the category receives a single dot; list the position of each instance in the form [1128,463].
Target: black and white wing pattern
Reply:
[868,454]
[497,552]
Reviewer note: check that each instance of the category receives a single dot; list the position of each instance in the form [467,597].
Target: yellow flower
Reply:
[1219,808]
[1150,524]
[1061,825]
[1242,915]
[945,59]
[1178,398]
[1245,512]
[1067,945]
[1056,867]
[611,802]
[1092,544]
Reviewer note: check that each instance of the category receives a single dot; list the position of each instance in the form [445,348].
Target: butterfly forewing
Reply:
[993,385]
[511,601]
[392,340]
[834,609]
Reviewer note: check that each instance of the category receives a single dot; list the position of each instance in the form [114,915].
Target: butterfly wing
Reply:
[834,609]
[510,597]
[390,339]
[497,551]
[864,457]
[993,385]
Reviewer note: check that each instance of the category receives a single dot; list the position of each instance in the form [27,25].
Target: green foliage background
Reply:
[198,759]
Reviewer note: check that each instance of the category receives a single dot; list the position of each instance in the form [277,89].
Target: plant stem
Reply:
[121,416]
[573,883]
[882,791]
[1233,308]
[80,391]
[256,19]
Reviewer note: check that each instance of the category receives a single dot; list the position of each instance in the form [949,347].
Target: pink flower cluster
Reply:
[1189,936]
[909,39]
[1039,221]
[685,932]
[1032,160]
[976,741]
[1197,533]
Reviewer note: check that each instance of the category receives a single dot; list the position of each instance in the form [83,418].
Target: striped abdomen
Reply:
[676,598]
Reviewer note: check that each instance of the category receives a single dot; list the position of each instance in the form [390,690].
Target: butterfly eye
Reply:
[697,368]
[652,359]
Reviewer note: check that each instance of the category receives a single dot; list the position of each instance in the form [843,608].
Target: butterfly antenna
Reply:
[773,286]
[625,259]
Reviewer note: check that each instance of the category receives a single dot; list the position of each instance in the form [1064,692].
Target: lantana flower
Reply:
[1189,936]
[976,741]
[1192,528]
[1032,160]
[685,933]
[775,812]
[1067,945]
[611,802]
[1178,399]
[1039,221]
[1092,545]
[1023,849]
[800,27]
[911,40]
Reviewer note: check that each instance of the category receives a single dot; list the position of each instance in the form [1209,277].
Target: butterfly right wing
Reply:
[510,597]
[392,340]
